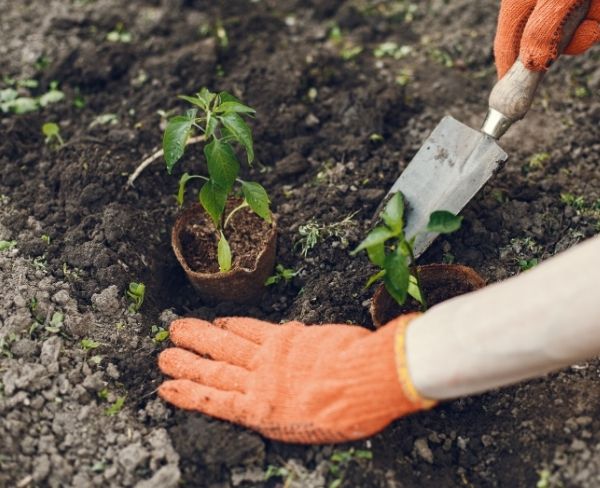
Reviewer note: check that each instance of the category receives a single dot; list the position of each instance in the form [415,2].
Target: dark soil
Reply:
[335,126]
[246,233]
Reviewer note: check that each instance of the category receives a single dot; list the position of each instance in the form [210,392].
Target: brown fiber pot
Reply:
[240,285]
[440,282]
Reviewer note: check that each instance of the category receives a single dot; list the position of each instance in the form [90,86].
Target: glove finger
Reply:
[543,33]
[182,364]
[586,36]
[225,405]
[513,18]
[251,329]
[204,338]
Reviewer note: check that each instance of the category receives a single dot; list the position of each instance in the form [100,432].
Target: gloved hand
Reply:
[292,382]
[531,30]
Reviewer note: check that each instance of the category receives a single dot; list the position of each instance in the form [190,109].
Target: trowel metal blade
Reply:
[450,168]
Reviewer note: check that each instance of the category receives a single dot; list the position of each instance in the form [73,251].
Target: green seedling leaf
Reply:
[160,334]
[206,96]
[376,254]
[8,94]
[135,294]
[281,273]
[224,254]
[234,107]
[443,222]
[21,105]
[397,276]
[185,177]
[176,135]
[6,245]
[376,277]
[52,96]
[376,237]
[50,129]
[258,199]
[393,215]
[89,344]
[105,119]
[414,290]
[194,101]
[240,131]
[223,166]
[213,198]
[116,407]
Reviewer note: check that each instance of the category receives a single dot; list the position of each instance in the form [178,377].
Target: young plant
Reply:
[389,249]
[220,117]
[135,294]
[51,131]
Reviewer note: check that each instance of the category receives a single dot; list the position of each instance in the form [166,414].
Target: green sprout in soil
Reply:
[160,334]
[6,245]
[116,407]
[220,117]
[51,131]
[389,249]
[135,294]
[313,232]
[16,99]
[527,264]
[281,274]
[119,34]
[89,344]
[340,460]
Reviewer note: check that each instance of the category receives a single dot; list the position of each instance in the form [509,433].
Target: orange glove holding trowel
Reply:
[335,383]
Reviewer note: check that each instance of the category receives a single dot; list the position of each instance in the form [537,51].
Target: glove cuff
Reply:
[401,325]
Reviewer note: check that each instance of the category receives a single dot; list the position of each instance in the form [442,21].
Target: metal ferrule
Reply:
[496,124]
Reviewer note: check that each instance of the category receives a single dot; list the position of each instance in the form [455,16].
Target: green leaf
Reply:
[374,278]
[22,105]
[393,215]
[213,198]
[234,107]
[224,254]
[443,222]
[116,407]
[52,96]
[223,166]
[185,177]
[194,101]
[161,336]
[88,344]
[240,131]
[396,277]
[211,127]
[258,199]
[377,254]
[228,97]
[8,94]
[175,138]
[377,236]
[6,245]
[414,290]
[50,129]
[206,96]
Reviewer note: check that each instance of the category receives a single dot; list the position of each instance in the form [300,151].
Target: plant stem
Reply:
[244,204]
[417,278]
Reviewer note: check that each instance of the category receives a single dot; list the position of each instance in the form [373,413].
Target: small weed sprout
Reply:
[14,100]
[281,273]
[135,294]
[7,245]
[220,118]
[390,250]
[119,34]
[160,334]
[51,131]
[312,232]
[89,344]
[116,407]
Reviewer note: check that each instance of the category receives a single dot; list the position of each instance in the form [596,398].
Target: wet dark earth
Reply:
[345,92]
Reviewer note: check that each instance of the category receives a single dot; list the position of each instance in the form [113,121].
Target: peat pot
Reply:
[253,244]
[440,282]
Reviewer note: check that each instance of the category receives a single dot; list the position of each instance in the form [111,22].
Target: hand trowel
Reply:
[456,161]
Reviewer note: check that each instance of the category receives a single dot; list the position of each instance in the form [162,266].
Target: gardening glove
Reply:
[531,30]
[291,382]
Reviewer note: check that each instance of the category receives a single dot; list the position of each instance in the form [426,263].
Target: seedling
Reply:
[135,294]
[89,344]
[12,100]
[160,334]
[527,264]
[281,273]
[51,131]
[389,249]
[220,118]
[116,407]
[313,232]
[6,245]
[119,34]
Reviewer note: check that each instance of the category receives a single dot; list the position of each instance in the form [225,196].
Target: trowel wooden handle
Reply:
[513,94]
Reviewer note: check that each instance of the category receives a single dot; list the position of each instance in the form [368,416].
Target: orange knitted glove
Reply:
[531,30]
[290,382]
